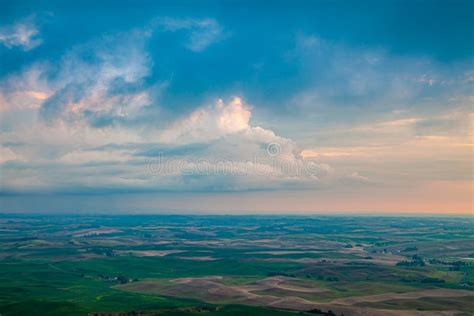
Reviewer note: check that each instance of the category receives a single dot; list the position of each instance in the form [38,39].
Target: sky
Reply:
[237,106]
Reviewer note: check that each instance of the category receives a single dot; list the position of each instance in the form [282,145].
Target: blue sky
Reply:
[314,104]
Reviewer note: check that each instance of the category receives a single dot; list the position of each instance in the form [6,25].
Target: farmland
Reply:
[233,265]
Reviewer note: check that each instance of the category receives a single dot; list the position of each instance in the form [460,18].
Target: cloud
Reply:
[201,33]
[109,83]
[401,151]
[226,126]
[23,34]
[27,90]
[93,120]
[210,122]
[356,176]
[401,122]
[213,148]
[353,83]
[102,82]
[7,154]
[76,87]
[94,156]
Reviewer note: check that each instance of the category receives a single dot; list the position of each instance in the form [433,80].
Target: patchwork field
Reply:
[236,265]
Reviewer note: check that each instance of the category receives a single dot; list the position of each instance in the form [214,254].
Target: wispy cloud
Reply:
[100,81]
[361,78]
[201,33]
[23,34]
